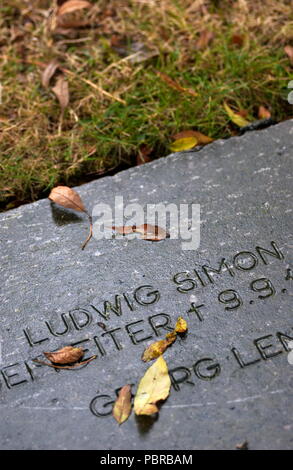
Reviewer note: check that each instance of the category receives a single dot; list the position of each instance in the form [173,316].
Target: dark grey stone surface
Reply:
[244,187]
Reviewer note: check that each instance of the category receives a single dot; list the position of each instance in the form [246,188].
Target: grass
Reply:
[99,133]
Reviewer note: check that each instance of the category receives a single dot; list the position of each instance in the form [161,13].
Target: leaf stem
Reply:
[91,232]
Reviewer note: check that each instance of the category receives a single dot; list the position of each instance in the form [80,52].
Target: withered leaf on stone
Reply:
[122,406]
[67,197]
[49,72]
[72,5]
[158,348]
[61,91]
[66,355]
[181,325]
[148,231]
[124,229]
[153,387]
[151,232]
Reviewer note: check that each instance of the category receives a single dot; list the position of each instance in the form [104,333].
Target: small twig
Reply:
[91,232]
[65,367]
[93,85]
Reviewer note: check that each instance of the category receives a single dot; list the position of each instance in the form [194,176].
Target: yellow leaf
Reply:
[185,143]
[181,325]
[158,348]
[236,118]
[201,138]
[122,406]
[153,387]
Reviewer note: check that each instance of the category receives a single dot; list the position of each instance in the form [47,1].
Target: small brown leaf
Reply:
[263,113]
[122,406]
[289,52]
[72,5]
[67,197]
[201,138]
[49,72]
[181,325]
[237,40]
[151,232]
[62,92]
[66,355]
[204,39]
[143,155]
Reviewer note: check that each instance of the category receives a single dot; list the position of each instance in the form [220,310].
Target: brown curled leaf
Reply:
[67,197]
[66,355]
[49,72]
[122,406]
[181,325]
[150,232]
[72,5]
[74,366]
[153,387]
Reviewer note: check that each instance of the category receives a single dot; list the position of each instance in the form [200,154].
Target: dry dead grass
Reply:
[119,105]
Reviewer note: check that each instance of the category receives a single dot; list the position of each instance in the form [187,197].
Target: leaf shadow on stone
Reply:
[64,216]
[145,423]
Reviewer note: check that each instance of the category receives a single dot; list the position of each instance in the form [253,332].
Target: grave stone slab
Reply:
[232,374]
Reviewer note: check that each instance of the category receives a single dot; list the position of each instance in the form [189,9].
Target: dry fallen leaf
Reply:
[201,138]
[72,5]
[150,232]
[289,52]
[175,85]
[49,72]
[122,406]
[124,229]
[62,92]
[204,39]
[153,387]
[158,348]
[143,154]
[185,143]
[237,39]
[263,113]
[66,355]
[236,118]
[67,197]
[181,325]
